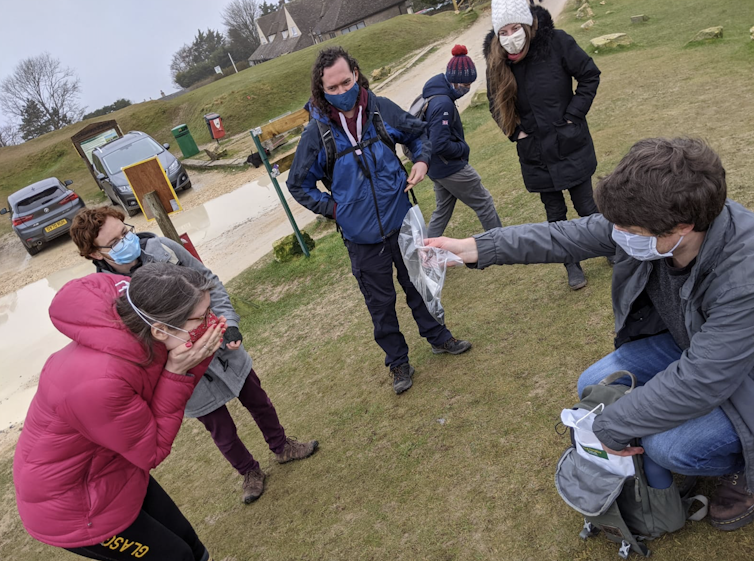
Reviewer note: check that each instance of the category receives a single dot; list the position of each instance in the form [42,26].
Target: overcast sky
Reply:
[119,49]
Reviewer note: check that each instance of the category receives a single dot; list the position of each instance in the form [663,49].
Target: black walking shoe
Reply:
[402,377]
[610,260]
[576,278]
[452,346]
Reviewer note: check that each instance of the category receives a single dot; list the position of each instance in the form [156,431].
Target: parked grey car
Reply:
[110,159]
[42,211]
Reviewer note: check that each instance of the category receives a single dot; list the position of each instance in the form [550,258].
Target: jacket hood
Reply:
[541,42]
[84,311]
[439,85]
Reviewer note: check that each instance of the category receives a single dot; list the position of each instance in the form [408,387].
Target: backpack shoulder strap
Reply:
[379,124]
[331,151]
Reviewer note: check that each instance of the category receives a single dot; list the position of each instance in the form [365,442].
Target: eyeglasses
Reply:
[204,318]
[117,245]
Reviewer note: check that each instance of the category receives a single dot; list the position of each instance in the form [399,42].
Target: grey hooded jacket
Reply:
[717,370]
[228,370]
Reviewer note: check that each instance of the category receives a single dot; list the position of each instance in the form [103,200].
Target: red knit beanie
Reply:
[461,69]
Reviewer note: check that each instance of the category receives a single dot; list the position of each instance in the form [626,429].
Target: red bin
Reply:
[215,125]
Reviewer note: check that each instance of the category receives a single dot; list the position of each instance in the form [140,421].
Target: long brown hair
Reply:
[502,82]
[165,292]
[325,59]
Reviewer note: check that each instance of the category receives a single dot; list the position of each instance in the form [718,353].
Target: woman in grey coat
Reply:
[102,237]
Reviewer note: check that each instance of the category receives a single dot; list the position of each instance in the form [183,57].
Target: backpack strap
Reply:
[385,137]
[617,375]
[331,151]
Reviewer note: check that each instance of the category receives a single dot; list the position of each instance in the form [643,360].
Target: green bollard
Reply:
[255,135]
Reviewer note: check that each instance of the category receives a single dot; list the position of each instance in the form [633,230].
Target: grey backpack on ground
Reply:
[627,510]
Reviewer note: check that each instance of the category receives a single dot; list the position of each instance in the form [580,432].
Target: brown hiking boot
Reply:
[253,485]
[732,505]
[295,450]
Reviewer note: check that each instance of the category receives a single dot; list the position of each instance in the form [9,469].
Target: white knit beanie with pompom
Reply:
[510,11]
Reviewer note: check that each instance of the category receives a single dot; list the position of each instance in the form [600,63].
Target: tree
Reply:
[196,61]
[53,88]
[119,104]
[9,135]
[34,122]
[266,8]
[240,19]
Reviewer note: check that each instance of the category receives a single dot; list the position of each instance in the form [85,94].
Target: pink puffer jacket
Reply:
[99,422]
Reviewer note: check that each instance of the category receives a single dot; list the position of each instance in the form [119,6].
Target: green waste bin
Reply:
[185,141]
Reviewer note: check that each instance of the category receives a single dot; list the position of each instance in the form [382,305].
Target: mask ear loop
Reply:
[600,406]
[144,317]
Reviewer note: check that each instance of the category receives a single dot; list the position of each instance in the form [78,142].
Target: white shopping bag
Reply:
[589,447]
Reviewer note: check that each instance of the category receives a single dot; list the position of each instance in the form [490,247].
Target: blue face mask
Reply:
[643,248]
[126,250]
[344,101]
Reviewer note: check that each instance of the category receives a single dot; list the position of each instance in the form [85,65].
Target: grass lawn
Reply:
[245,100]
[461,466]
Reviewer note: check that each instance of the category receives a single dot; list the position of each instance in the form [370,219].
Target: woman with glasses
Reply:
[101,236]
[531,67]
[107,410]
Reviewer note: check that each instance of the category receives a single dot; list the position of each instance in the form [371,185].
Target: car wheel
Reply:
[33,250]
[187,186]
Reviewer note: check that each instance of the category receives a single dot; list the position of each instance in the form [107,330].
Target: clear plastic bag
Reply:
[426,265]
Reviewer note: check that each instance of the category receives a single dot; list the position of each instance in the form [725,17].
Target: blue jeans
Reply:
[706,445]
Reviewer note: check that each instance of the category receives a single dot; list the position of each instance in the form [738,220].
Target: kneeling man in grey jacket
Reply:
[683,299]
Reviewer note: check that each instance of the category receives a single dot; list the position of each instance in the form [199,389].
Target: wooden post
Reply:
[163,220]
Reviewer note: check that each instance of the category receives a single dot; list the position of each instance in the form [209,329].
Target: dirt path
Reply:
[408,86]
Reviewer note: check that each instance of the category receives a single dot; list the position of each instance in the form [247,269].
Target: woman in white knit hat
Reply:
[530,71]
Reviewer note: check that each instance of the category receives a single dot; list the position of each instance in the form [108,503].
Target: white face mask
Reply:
[513,44]
[643,248]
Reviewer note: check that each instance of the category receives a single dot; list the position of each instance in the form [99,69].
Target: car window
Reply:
[97,165]
[142,149]
[38,199]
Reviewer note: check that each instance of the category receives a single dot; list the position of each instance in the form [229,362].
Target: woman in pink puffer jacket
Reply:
[107,410]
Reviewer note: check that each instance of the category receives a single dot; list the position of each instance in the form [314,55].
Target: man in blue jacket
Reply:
[347,145]
[449,167]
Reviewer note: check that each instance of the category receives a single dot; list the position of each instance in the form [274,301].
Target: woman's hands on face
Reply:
[184,357]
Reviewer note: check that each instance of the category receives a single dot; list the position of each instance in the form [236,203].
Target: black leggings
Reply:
[159,533]
[581,196]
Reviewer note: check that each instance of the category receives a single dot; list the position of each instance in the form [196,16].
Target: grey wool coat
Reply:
[717,370]
[227,372]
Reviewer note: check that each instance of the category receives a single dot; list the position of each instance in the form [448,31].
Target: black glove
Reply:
[232,334]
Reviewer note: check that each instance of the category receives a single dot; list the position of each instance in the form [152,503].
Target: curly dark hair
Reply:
[325,59]
[664,182]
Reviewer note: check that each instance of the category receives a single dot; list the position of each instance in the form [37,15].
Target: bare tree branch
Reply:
[44,80]
[240,16]
[9,135]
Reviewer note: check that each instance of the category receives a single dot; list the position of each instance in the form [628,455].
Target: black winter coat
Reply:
[556,155]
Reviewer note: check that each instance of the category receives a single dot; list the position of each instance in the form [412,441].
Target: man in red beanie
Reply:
[449,166]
